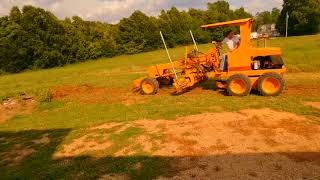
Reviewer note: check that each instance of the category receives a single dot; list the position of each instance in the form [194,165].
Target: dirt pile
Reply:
[82,145]
[262,144]
[16,155]
[313,104]
[95,95]
[248,131]
[301,90]
[14,107]
[19,152]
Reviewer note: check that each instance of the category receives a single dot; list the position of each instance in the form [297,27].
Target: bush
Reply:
[49,59]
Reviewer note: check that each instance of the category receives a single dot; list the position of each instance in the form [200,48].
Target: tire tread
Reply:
[239,76]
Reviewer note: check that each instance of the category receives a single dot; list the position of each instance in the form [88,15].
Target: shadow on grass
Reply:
[29,155]
[210,84]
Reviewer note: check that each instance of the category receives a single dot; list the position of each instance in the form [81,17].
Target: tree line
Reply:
[33,38]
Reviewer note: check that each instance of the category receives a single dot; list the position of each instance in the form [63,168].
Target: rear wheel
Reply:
[149,86]
[271,84]
[239,85]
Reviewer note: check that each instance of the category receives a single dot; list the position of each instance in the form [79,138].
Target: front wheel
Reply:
[239,85]
[271,84]
[149,86]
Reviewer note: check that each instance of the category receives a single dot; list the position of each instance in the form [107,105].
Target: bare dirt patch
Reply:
[44,140]
[14,107]
[247,131]
[313,104]
[96,142]
[263,144]
[81,145]
[297,90]
[291,90]
[95,95]
[16,155]
[222,133]
[199,90]
[87,94]
[117,72]
[114,177]
[242,167]
[302,76]
[107,126]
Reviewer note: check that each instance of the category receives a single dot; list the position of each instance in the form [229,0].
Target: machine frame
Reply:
[241,76]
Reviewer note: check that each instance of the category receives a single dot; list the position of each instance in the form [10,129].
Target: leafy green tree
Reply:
[275,14]
[262,18]
[175,26]
[13,50]
[266,17]
[138,33]
[304,17]
[241,14]
[15,14]
[34,38]
[219,11]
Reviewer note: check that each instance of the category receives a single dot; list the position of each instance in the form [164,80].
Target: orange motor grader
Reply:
[248,68]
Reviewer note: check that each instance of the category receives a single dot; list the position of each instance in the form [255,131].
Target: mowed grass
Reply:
[301,54]
[65,120]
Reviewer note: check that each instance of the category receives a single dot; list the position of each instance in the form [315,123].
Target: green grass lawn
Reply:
[67,119]
[300,54]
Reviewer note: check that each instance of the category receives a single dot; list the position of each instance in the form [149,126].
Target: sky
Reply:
[113,10]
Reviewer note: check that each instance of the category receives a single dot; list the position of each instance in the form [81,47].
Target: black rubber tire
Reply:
[239,77]
[273,75]
[154,83]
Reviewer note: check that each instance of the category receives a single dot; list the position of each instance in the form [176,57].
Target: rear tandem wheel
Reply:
[271,84]
[238,85]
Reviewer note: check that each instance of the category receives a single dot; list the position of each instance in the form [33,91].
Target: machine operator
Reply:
[233,43]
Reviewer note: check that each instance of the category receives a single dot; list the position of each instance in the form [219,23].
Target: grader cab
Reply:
[248,68]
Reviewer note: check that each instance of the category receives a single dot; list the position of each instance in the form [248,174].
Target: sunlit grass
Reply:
[300,54]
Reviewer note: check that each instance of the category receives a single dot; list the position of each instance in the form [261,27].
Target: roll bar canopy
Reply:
[229,23]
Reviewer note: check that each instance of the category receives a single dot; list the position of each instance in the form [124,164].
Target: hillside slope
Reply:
[83,121]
